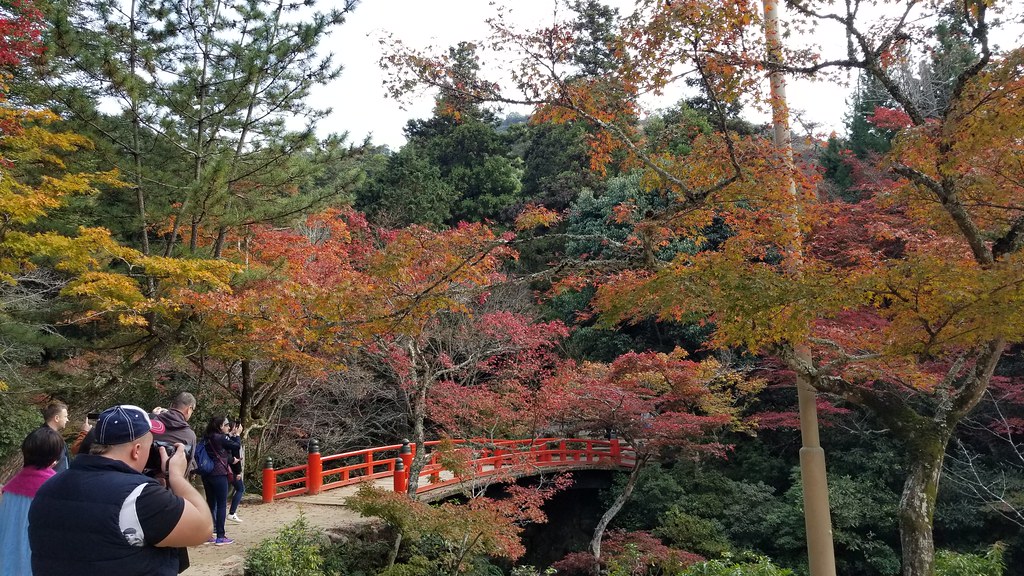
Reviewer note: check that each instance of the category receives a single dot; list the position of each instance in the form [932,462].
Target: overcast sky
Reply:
[361,107]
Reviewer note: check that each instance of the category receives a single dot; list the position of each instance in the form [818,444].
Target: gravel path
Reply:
[261,521]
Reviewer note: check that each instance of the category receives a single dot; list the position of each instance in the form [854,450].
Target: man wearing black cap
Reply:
[103,516]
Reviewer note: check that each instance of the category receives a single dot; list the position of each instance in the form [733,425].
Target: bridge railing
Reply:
[448,462]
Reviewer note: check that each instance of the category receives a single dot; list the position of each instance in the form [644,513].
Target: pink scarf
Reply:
[28,480]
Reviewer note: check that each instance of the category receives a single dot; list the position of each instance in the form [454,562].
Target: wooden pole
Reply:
[817,519]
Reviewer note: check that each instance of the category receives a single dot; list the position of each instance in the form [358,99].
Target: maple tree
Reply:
[630,553]
[314,296]
[657,404]
[473,373]
[911,330]
[21,26]
[481,526]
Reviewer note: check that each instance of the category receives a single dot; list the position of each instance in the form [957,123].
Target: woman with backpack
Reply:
[219,445]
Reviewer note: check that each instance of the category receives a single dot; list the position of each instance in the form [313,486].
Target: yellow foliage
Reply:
[107,290]
[33,182]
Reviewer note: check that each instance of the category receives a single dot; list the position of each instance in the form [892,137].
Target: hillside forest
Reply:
[545,256]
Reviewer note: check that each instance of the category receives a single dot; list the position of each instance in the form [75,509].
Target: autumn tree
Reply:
[471,369]
[53,282]
[912,332]
[660,405]
[315,294]
[488,527]
[21,26]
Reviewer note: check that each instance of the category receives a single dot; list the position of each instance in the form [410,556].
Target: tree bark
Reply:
[395,547]
[245,393]
[609,515]
[419,412]
[917,505]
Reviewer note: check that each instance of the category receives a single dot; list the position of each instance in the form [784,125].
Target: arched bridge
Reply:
[450,464]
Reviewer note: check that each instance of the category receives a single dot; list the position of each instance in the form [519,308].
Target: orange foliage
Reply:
[310,293]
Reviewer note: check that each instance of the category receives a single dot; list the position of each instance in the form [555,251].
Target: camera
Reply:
[153,462]
[168,446]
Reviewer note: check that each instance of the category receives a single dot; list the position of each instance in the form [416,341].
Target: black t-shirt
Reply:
[150,512]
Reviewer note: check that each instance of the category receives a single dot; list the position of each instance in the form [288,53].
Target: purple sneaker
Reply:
[223,541]
[211,541]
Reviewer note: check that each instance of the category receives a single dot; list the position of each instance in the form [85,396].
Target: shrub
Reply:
[296,550]
[757,566]
[629,554]
[363,551]
[689,532]
[532,571]
[948,563]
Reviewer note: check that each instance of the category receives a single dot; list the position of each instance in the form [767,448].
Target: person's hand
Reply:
[177,464]
[85,425]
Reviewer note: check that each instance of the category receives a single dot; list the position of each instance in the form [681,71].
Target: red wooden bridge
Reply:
[449,464]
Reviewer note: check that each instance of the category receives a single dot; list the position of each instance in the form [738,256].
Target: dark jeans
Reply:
[239,487]
[216,488]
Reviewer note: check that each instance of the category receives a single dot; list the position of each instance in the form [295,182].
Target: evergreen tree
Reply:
[473,158]
[594,37]
[220,85]
[408,190]
[863,137]
[836,169]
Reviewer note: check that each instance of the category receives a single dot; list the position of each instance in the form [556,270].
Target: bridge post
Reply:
[314,468]
[435,476]
[406,453]
[401,482]
[479,458]
[614,448]
[497,454]
[545,454]
[269,481]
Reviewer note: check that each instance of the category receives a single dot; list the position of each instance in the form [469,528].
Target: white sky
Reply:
[361,107]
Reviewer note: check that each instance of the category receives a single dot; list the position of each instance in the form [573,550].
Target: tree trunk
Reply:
[917,505]
[137,132]
[393,555]
[218,245]
[245,393]
[620,501]
[419,412]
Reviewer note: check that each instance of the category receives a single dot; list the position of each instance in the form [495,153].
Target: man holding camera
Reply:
[103,515]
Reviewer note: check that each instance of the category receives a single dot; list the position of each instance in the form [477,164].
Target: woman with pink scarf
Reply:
[40,449]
